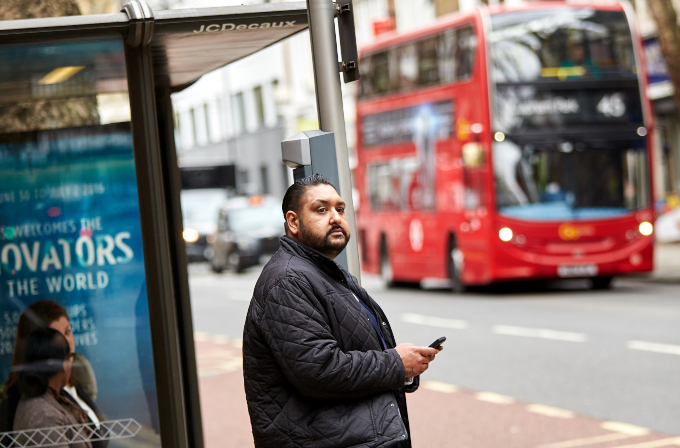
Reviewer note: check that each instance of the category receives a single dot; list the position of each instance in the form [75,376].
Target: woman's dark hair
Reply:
[39,314]
[44,353]
[291,200]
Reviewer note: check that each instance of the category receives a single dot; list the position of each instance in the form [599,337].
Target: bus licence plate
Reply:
[580,270]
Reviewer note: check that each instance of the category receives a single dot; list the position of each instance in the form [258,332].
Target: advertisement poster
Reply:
[70,232]
[407,182]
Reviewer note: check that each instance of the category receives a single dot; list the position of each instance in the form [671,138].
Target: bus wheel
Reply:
[601,282]
[385,266]
[455,266]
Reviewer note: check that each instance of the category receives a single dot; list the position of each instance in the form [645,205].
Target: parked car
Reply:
[248,229]
[199,215]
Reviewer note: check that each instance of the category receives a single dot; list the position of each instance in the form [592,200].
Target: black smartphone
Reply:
[438,342]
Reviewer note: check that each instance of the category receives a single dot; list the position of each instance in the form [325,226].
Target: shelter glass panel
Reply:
[75,338]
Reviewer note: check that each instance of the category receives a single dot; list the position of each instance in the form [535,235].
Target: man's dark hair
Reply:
[291,200]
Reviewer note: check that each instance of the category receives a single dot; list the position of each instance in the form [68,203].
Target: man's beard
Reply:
[325,244]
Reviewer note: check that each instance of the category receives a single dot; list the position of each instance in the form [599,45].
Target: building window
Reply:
[244,180]
[194,126]
[286,176]
[259,105]
[206,116]
[265,179]
[239,113]
[219,119]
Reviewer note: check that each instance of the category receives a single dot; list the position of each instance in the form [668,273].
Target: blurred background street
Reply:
[557,366]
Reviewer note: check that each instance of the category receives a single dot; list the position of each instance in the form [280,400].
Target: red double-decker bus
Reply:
[505,144]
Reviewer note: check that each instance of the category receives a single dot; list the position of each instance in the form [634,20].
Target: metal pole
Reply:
[329,107]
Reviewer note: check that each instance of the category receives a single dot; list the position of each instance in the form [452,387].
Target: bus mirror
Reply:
[473,155]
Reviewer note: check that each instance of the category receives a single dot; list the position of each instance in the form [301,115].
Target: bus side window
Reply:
[366,80]
[381,73]
[447,61]
[466,46]
[428,71]
[408,66]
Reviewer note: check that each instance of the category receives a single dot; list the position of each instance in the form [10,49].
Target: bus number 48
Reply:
[612,105]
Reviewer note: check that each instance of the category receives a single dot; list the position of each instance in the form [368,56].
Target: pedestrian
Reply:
[320,362]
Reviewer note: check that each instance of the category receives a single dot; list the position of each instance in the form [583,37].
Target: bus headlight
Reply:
[646,228]
[505,234]
[190,235]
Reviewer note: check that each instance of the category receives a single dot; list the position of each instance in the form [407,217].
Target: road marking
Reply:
[654,443]
[625,428]
[413,318]
[586,441]
[439,386]
[550,411]
[220,339]
[542,333]
[492,397]
[669,349]
[200,336]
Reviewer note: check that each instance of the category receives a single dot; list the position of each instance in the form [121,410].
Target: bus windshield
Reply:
[560,44]
[570,180]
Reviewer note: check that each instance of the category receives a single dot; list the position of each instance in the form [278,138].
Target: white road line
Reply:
[625,428]
[220,339]
[654,443]
[441,322]
[542,333]
[669,349]
[200,336]
[586,441]
[439,386]
[550,411]
[492,397]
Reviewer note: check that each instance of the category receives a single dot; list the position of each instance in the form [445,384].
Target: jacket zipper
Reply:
[401,420]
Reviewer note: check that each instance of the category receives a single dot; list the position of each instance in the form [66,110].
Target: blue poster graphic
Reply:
[70,232]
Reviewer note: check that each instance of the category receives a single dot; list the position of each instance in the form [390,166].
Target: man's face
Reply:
[321,223]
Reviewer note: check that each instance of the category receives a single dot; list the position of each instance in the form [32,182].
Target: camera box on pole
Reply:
[313,152]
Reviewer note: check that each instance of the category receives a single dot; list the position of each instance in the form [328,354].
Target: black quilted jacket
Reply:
[314,370]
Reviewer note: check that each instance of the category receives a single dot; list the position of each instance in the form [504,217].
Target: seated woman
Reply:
[45,369]
[82,387]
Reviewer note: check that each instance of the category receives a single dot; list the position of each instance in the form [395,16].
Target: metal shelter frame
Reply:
[162,57]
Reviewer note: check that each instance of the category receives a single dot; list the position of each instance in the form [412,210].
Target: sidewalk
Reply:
[441,414]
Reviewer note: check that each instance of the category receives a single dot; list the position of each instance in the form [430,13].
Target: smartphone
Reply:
[438,342]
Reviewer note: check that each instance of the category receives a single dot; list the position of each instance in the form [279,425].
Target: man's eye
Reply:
[322,209]
[341,210]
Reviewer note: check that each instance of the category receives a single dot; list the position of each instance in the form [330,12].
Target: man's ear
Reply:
[293,222]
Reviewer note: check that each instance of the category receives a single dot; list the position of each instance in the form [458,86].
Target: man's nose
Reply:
[335,216]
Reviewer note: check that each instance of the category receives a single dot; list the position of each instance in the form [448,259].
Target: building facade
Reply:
[667,120]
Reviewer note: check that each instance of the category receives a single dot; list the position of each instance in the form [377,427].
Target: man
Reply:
[319,359]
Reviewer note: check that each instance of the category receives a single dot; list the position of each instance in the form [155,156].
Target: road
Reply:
[604,355]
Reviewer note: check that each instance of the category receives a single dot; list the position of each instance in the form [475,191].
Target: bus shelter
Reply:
[89,202]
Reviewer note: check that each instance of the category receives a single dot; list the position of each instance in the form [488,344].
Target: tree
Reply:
[669,40]
[44,113]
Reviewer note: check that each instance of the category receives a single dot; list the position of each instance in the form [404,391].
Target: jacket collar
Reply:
[315,257]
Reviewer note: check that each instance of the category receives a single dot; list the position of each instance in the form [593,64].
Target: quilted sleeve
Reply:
[294,328]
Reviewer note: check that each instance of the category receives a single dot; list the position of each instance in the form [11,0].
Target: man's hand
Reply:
[416,359]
